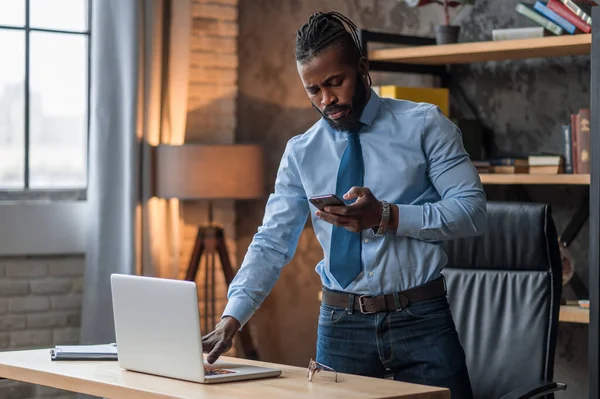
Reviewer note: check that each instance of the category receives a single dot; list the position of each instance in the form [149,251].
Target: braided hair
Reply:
[325,29]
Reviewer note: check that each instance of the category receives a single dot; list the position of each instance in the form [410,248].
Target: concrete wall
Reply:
[523,102]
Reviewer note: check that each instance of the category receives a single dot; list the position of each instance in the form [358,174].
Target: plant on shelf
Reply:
[446,33]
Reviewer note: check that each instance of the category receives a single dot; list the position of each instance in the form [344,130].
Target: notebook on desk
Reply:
[157,326]
[84,352]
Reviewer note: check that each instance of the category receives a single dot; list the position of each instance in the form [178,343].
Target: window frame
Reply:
[45,221]
[38,228]
[63,194]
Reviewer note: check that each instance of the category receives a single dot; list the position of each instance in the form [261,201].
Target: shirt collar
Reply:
[370,110]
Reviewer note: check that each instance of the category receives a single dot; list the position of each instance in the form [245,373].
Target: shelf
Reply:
[464,53]
[574,314]
[526,178]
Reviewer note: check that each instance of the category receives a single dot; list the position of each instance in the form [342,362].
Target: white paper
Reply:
[88,349]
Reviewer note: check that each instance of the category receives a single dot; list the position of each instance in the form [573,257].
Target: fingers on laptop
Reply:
[220,348]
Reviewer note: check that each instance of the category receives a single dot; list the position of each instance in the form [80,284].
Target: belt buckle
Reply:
[361,304]
[398,297]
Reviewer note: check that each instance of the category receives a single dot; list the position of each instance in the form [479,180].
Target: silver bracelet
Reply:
[385,219]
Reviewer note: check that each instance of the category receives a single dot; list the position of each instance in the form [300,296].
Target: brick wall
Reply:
[211,119]
[213,75]
[40,306]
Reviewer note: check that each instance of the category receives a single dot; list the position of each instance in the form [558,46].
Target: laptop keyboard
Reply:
[217,371]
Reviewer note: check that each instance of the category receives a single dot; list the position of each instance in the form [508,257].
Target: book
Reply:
[568,152]
[509,161]
[558,7]
[529,12]
[547,170]
[545,160]
[509,169]
[546,164]
[84,352]
[580,141]
[542,8]
[583,141]
[519,33]
[574,129]
[578,10]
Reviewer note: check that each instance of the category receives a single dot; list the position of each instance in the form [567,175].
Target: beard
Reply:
[350,123]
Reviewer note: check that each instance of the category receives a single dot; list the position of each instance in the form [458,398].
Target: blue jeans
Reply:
[418,344]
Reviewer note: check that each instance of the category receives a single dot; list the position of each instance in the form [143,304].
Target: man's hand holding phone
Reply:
[364,213]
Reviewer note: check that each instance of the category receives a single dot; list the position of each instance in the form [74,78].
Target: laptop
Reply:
[157,326]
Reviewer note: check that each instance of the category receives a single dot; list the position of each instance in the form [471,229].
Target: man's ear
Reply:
[363,66]
[363,69]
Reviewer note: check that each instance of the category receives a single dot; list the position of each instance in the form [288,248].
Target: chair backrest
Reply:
[504,289]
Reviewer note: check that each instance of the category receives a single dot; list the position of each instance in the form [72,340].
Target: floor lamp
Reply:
[211,172]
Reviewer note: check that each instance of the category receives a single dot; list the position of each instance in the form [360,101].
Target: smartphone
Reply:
[321,201]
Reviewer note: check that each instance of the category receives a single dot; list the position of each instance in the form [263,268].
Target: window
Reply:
[44,96]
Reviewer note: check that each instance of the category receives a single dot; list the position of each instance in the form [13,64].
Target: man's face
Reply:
[334,88]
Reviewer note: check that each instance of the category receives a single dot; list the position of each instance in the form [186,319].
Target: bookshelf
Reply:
[464,53]
[525,178]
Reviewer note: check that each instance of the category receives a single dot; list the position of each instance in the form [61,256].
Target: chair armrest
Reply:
[536,390]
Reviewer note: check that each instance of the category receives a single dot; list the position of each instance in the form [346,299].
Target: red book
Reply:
[558,7]
[583,141]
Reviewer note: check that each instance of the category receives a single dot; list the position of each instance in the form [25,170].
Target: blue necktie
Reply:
[345,260]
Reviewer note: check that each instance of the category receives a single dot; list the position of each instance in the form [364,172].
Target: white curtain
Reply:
[140,69]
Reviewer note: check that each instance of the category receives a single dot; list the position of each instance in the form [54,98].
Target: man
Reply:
[408,182]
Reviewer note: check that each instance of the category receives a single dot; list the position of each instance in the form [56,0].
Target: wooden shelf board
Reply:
[574,314]
[526,178]
[463,53]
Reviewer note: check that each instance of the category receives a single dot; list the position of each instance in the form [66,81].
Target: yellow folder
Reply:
[431,95]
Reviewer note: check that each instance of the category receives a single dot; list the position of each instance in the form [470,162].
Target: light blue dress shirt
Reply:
[414,158]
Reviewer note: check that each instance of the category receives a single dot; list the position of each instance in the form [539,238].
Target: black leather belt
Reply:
[388,302]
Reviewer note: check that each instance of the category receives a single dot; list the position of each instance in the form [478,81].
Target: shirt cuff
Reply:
[239,308]
[409,220]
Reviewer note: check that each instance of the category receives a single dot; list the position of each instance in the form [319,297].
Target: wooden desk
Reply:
[107,379]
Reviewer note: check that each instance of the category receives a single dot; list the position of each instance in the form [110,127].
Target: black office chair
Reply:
[504,289]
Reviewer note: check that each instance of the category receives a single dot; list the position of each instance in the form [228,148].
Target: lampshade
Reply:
[203,171]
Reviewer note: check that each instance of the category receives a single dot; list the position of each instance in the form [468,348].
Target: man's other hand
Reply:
[220,340]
